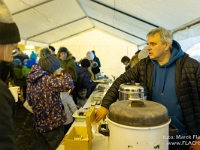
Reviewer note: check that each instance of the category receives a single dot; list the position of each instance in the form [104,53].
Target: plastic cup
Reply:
[14,92]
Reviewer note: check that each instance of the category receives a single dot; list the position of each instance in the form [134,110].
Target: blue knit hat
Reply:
[33,56]
[16,62]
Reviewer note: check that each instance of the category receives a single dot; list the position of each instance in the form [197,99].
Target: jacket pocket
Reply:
[179,125]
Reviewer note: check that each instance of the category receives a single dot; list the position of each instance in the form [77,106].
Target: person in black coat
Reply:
[84,85]
[9,38]
[172,79]
[96,59]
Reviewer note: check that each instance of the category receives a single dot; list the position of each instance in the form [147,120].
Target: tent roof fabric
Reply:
[50,21]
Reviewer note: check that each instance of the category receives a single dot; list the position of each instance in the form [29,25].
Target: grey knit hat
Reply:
[48,61]
[9,32]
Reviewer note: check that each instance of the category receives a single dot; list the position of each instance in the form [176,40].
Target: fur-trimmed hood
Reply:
[69,55]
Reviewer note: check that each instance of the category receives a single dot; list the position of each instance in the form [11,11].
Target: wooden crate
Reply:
[85,131]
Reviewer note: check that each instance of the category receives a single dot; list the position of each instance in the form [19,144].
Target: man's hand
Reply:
[101,114]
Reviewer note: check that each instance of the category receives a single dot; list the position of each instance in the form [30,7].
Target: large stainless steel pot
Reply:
[138,124]
[132,92]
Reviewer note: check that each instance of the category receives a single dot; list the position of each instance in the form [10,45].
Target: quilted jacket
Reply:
[187,85]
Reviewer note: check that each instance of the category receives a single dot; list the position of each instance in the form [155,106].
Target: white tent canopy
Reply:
[51,21]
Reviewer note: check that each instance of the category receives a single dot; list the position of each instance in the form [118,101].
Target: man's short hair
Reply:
[165,35]
[125,58]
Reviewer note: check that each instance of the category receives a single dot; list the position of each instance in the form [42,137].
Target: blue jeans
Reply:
[51,139]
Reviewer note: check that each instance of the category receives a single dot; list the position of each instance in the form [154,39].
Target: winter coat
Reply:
[96,59]
[7,112]
[27,67]
[187,85]
[84,81]
[134,60]
[67,62]
[69,106]
[43,94]
[18,77]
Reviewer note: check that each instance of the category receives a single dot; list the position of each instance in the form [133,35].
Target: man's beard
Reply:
[5,69]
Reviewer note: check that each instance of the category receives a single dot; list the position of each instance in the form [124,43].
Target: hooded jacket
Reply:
[69,105]
[84,81]
[164,91]
[67,62]
[43,94]
[187,87]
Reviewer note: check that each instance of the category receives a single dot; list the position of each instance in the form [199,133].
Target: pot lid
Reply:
[129,87]
[138,113]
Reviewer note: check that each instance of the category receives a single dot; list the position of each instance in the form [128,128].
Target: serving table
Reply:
[100,142]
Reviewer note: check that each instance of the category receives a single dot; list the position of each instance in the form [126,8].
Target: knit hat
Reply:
[85,63]
[62,49]
[48,61]
[90,55]
[15,52]
[16,62]
[33,55]
[9,32]
[143,53]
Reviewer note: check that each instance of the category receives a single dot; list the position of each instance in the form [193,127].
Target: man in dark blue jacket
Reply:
[96,59]
[172,78]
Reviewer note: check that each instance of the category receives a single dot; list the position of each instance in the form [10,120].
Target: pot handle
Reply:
[103,129]
[172,129]
[137,103]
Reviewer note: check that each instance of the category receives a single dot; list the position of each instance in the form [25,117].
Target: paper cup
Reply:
[14,92]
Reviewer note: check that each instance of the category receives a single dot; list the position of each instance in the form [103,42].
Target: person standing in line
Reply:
[17,53]
[43,94]
[70,70]
[68,102]
[126,61]
[85,86]
[140,54]
[143,53]
[76,63]
[96,59]
[95,69]
[66,60]
[19,79]
[9,37]
[172,79]
[90,57]
[134,60]
[53,50]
